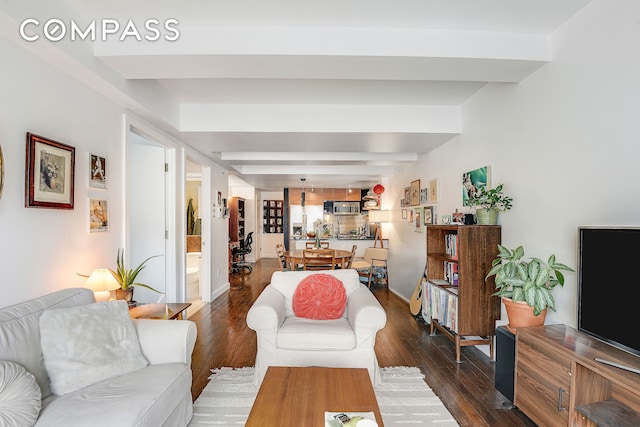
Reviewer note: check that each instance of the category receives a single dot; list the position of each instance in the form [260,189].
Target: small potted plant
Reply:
[525,286]
[489,202]
[126,277]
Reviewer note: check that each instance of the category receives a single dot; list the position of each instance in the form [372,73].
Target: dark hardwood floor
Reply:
[466,388]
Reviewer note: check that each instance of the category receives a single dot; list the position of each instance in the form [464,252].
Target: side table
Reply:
[159,311]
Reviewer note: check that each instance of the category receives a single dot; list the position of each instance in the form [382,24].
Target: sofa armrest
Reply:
[166,341]
[364,312]
[268,311]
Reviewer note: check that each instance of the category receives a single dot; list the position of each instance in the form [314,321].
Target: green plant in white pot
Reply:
[525,286]
[488,202]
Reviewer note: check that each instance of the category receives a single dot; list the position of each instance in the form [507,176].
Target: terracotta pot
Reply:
[126,295]
[521,315]
[487,216]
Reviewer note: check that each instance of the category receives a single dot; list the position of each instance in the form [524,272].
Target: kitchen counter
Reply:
[340,243]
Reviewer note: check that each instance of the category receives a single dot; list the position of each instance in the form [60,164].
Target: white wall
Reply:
[41,250]
[564,142]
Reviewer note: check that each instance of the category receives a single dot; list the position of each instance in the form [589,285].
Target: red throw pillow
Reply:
[320,297]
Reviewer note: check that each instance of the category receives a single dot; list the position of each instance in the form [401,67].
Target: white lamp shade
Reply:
[378,216]
[102,280]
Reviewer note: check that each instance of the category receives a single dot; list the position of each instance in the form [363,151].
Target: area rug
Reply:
[403,397]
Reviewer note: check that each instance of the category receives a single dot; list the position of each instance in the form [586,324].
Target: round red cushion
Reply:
[320,297]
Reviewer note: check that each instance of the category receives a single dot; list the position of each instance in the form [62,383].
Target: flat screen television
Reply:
[609,285]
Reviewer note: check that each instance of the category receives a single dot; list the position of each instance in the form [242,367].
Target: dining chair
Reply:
[312,245]
[373,263]
[284,265]
[318,259]
[353,255]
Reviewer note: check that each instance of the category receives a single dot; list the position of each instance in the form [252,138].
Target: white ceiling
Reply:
[338,92]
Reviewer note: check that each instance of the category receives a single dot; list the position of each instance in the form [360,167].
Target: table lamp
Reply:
[101,282]
[378,217]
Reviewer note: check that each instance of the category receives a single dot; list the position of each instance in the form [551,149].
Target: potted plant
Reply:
[489,202]
[525,286]
[126,277]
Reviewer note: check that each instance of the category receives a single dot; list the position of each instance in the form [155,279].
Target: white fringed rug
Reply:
[403,397]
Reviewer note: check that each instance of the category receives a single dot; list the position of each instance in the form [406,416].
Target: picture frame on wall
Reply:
[97,171]
[424,195]
[434,190]
[404,214]
[417,219]
[415,192]
[98,215]
[50,174]
[473,181]
[407,195]
[428,215]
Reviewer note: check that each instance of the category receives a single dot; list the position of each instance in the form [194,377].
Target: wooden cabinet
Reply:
[236,219]
[462,305]
[319,195]
[560,383]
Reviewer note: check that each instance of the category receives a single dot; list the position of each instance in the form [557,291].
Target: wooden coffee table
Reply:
[300,396]
[159,311]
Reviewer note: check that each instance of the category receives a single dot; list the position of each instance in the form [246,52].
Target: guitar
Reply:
[415,303]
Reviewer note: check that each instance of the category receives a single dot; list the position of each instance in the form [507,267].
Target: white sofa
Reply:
[287,340]
[156,395]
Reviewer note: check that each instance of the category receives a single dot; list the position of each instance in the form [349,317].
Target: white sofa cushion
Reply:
[286,283]
[147,397]
[19,396]
[307,334]
[89,343]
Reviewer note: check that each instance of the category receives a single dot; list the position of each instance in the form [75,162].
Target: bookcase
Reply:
[237,219]
[272,216]
[460,302]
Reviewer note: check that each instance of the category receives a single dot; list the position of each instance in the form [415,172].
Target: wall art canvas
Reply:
[434,189]
[415,192]
[98,171]
[473,181]
[50,173]
[98,215]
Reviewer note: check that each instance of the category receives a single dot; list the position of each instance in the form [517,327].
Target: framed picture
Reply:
[410,213]
[98,216]
[97,171]
[417,219]
[434,189]
[428,215]
[424,195]
[473,181]
[415,192]
[407,195]
[50,173]
[404,214]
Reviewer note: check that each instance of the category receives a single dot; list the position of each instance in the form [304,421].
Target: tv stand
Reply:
[617,365]
[561,379]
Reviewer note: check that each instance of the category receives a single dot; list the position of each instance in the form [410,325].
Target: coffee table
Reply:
[159,311]
[298,397]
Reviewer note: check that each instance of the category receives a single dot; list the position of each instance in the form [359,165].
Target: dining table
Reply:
[294,258]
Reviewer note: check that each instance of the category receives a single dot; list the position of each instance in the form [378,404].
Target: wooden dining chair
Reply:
[312,245]
[349,262]
[318,259]
[284,265]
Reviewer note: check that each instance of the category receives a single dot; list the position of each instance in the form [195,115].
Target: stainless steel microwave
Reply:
[346,208]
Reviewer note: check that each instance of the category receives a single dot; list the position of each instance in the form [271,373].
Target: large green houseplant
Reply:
[488,202]
[126,277]
[526,283]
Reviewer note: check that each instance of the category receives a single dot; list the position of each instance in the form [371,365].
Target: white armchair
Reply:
[287,340]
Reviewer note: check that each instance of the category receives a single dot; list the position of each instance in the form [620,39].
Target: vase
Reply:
[487,216]
[317,242]
[520,315]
